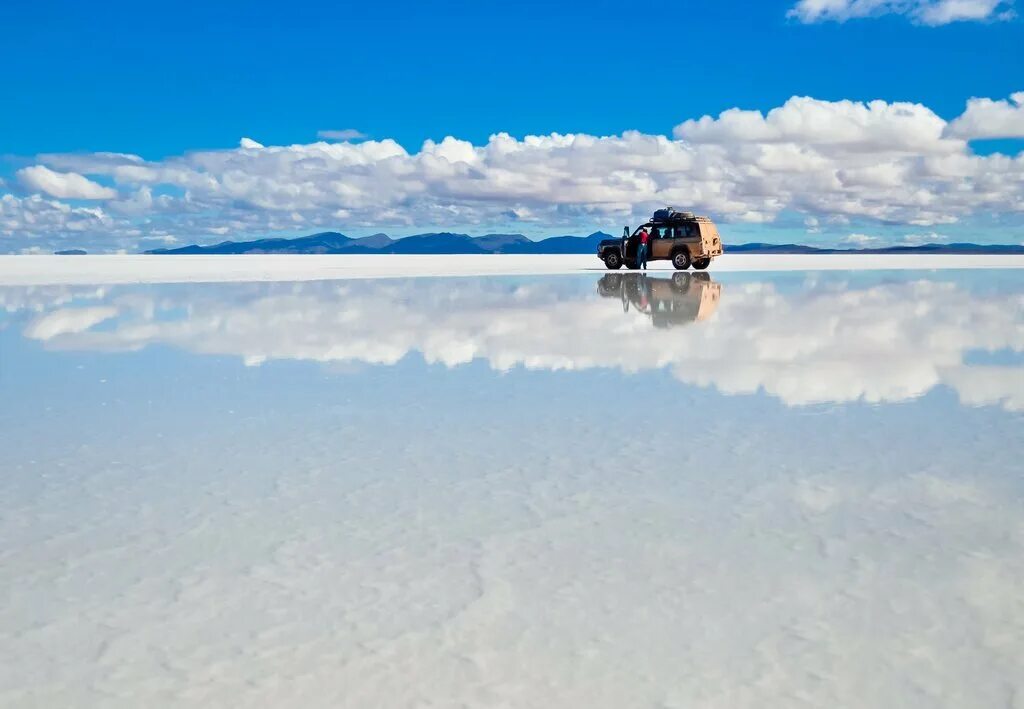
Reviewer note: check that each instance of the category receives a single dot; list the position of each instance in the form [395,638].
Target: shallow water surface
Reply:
[745,490]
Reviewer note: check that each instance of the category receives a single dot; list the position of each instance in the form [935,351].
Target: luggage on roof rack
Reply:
[670,215]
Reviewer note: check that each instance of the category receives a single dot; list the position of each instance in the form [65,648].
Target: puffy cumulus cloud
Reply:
[36,221]
[893,162]
[926,12]
[64,185]
[985,118]
[830,127]
[827,342]
[827,161]
[989,385]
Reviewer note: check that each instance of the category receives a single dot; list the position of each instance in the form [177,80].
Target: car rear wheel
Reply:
[701,264]
[613,261]
[681,260]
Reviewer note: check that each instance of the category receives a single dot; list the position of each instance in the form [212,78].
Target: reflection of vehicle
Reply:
[678,300]
[679,237]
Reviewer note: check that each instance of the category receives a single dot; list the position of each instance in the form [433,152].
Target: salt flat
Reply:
[601,490]
[104,269]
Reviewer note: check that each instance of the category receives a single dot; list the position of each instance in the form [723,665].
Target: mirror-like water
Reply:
[625,490]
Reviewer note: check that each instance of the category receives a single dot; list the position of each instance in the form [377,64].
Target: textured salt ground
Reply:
[43,270]
[413,536]
[181,530]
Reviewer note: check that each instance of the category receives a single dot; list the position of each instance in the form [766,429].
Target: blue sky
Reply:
[163,81]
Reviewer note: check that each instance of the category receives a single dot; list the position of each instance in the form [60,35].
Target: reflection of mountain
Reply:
[825,341]
[679,300]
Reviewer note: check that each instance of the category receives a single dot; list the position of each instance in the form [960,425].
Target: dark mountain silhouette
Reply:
[70,252]
[758,248]
[330,242]
[374,241]
[324,243]
[435,243]
[442,243]
[560,245]
[503,243]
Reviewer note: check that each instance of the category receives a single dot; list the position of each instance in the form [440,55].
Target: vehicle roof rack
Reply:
[661,218]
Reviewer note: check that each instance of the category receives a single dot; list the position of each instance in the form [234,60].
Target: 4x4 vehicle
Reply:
[680,237]
[668,302]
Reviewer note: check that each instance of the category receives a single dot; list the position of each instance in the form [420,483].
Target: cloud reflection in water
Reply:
[827,340]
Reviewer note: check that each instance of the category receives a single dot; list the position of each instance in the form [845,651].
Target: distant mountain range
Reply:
[330,242]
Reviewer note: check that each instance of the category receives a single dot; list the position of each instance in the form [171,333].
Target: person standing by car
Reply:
[641,250]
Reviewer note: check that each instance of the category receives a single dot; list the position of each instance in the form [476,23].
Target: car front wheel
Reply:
[681,260]
[613,261]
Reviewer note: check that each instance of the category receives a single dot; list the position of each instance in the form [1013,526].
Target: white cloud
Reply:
[26,219]
[985,118]
[943,12]
[63,185]
[165,239]
[828,127]
[927,237]
[861,241]
[830,162]
[925,12]
[988,386]
[344,134]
